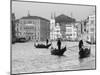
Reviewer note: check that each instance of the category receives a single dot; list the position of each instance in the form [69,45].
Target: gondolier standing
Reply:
[59,44]
[80,44]
[46,41]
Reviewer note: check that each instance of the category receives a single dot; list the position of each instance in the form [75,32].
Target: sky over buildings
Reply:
[44,10]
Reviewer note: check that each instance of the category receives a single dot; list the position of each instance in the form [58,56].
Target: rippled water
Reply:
[26,58]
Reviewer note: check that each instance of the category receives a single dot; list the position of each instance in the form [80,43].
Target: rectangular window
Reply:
[68,34]
[92,21]
[29,22]
[68,30]
[92,29]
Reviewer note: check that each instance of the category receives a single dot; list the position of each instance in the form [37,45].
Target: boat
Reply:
[58,52]
[42,46]
[84,52]
[21,40]
[90,42]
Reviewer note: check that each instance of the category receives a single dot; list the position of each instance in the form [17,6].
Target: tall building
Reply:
[62,26]
[57,31]
[52,27]
[33,28]
[71,32]
[63,21]
[83,26]
[78,25]
[91,29]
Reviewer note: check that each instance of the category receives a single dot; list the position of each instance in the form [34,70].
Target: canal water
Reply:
[28,59]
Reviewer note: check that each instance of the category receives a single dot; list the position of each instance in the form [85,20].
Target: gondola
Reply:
[84,52]
[90,42]
[58,52]
[42,46]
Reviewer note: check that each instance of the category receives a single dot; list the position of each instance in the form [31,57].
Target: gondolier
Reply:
[55,51]
[80,44]
[59,44]
[47,41]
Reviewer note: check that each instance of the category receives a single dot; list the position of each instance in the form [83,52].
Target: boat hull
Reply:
[84,53]
[58,52]
[42,46]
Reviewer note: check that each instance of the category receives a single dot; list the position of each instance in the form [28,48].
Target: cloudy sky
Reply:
[44,10]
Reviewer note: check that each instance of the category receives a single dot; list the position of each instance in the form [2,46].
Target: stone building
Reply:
[33,28]
[59,26]
[78,25]
[63,21]
[54,29]
[71,32]
[91,26]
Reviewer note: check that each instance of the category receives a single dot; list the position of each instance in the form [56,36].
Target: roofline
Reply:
[38,17]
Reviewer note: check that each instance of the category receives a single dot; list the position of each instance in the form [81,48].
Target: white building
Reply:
[57,31]
[54,29]
[91,29]
[33,28]
[79,29]
[71,32]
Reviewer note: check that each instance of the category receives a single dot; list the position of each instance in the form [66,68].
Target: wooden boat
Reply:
[58,52]
[84,52]
[90,42]
[42,46]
